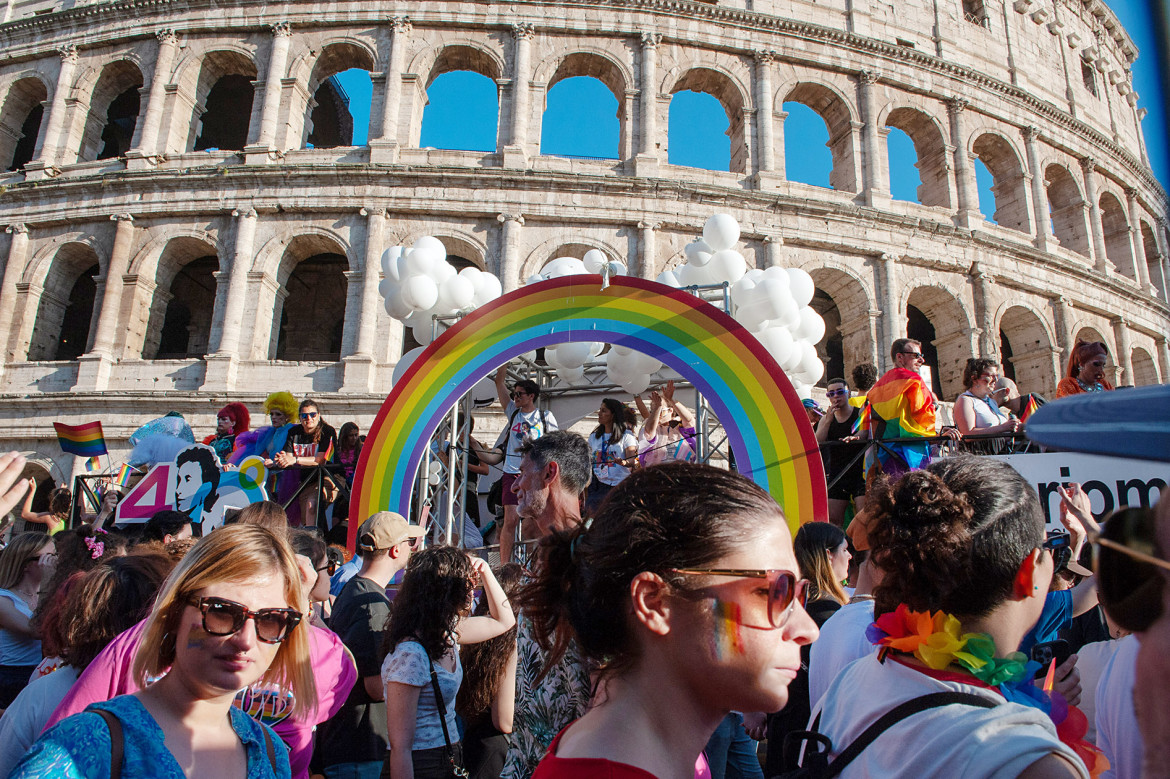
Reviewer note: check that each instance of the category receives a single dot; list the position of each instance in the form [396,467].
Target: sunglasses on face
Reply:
[837,393]
[222,617]
[784,589]
[989,377]
[308,415]
[915,355]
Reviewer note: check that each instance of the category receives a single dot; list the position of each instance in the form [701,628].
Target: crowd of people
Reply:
[667,624]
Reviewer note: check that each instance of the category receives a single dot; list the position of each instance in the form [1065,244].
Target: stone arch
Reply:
[1145,370]
[320,112]
[595,64]
[572,246]
[839,116]
[22,119]
[216,90]
[1153,263]
[459,245]
[457,55]
[730,93]
[1115,230]
[946,334]
[1027,348]
[1091,334]
[1010,188]
[175,296]
[845,301]
[309,296]
[113,106]
[1066,208]
[66,307]
[931,147]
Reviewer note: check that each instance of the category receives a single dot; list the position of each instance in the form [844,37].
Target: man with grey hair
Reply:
[554,471]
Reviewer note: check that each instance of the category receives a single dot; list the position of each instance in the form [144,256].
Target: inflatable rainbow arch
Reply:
[767,428]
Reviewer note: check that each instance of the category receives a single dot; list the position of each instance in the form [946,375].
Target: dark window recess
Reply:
[920,329]
[28,138]
[1005,351]
[1089,77]
[224,125]
[120,122]
[78,312]
[332,122]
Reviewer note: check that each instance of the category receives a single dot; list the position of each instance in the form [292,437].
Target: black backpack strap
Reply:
[116,743]
[268,747]
[899,713]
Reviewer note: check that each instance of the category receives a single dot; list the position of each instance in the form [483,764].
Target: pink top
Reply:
[333,669]
[553,767]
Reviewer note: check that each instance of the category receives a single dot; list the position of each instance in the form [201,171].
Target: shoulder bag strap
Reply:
[269,748]
[116,743]
[458,769]
[899,713]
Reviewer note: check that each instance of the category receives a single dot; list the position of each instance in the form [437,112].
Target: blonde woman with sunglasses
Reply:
[684,593]
[227,618]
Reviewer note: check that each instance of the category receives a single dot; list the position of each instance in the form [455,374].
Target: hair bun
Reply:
[923,501]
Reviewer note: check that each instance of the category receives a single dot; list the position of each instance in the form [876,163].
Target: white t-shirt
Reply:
[842,641]
[607,457]
[24,720]
[524,427]
[1091,661]
[1118,735]
[951,741]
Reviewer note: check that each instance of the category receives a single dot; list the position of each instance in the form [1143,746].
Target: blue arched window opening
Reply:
[461,113]
[807,158]
[580,120]
[698,132]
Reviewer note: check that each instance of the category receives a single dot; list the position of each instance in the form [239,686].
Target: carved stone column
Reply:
[648,250]
[385,149]
[225,350]
[765,138]
[646,163]
[49,158]
[13,268]
[1163,357]
[968,214]
[511,225]
[1041,231]
[93,373]
[1062,316]
[876,188]
[886,266]
[1138,241]
[1124,362]
[147,151]
[1100,258]
[516,152]
[359,367]
[774,250]
[265,148]
[981,287]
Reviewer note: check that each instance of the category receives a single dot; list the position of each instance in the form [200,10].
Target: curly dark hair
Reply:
[952,536]
[484,663]
[433,596]
[674,515]
[975,367]
[618,412]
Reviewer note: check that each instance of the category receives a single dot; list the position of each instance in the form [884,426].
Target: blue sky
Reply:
[581,120]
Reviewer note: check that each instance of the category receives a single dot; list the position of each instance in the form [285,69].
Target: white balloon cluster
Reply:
[421,284]
[569,359]
[773,304]
[594,261]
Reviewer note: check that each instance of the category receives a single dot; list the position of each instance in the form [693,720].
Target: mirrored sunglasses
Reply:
[784,589]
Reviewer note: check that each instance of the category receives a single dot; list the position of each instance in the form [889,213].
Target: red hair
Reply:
[1081,353]
[238,414]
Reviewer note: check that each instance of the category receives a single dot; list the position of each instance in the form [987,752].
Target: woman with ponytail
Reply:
[961,547]
[684,592]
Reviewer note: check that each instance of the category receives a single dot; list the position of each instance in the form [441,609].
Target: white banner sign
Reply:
[1110,482]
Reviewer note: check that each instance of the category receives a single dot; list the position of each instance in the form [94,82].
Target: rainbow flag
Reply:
[1031,403]
[92,464]
[124,475]
[329,451]
[81,440]
[899,406]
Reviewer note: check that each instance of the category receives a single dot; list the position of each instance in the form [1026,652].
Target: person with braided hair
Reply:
[961,547]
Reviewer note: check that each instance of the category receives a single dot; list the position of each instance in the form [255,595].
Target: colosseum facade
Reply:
[185,223]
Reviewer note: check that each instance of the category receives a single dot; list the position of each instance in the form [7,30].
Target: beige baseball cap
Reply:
[385,529]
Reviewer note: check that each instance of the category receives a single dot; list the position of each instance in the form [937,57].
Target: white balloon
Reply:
[812,326]
[572,375]
[618,268]
[487,288]
[563,266]
[696,247]
[573,355]
[418,261]
[754,316]
[636,384]
[484,392]
[435,468]
[743,292]
[420,292]
[699,257]
[432,243]
[553,359]
[396,306]
[774,296]
[390,262]
[534,278]
[803,390]
[457,292]
[596,348]
[792,363]
[593,260]
[721,232]
[778,342]
[727,265]
[530,356]
[386,288]
[669,278]
[802,286]
[810,363]
[688,275]
[434,479]
[404,363]
[647,364]
[424,334]
[441,271]
[618,368]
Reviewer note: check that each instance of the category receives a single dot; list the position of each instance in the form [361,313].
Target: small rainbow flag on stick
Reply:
[92,464]
[81,440]
[124,475]
[329,451]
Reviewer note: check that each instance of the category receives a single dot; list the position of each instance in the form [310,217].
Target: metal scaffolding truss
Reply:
[440,497]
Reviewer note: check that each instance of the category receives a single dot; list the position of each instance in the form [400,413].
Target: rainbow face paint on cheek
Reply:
[728,638]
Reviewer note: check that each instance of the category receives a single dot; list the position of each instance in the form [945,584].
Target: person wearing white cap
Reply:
[353,743]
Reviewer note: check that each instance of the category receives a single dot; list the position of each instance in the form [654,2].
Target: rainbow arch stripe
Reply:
[768,430]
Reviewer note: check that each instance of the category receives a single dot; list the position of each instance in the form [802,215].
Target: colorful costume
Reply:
[900,405]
